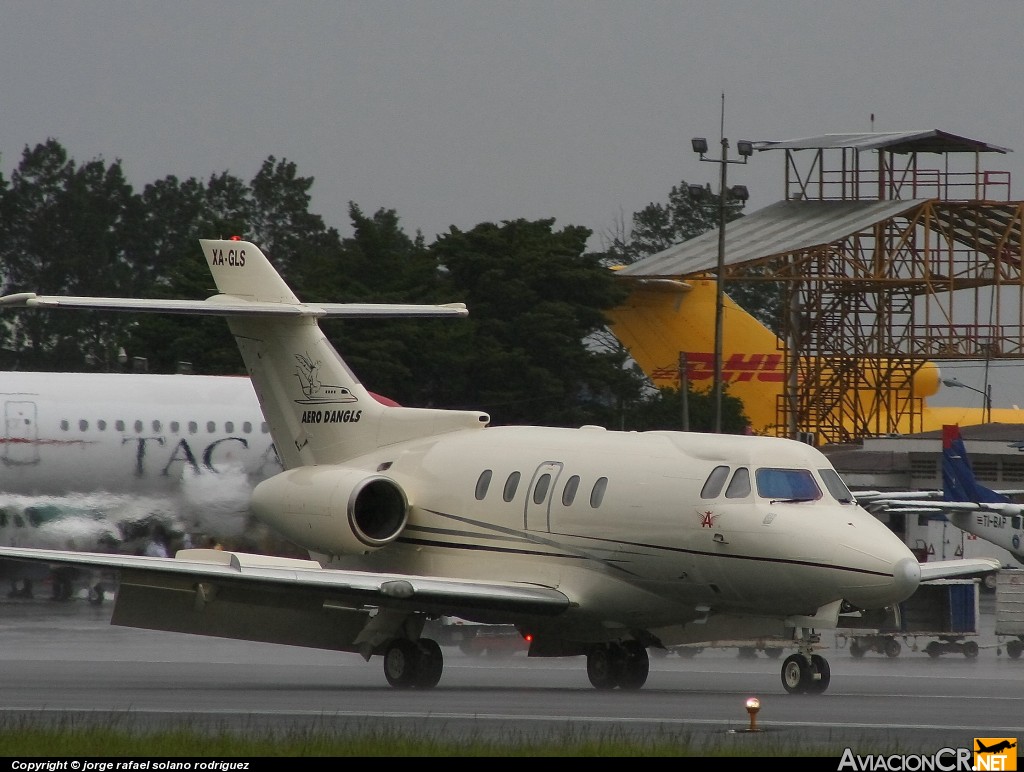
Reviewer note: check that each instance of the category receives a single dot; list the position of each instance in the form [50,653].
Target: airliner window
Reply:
[569,492]
[836,486]
[138,427]
[511,485]
[713,485]
[787,485]
[83,425]
[174,427]
[597,494]
[193,427]
[1015,521]
[211,427]
[739,486]
[264,428]
[101,425]
[482,483]
[119,425]
[64,425]
[156,426]
[229,426]
[247,427]
[541,491]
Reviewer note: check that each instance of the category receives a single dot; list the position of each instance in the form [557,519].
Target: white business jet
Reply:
[591,542]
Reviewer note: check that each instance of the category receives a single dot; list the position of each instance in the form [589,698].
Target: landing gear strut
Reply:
[804,672]
[624,665]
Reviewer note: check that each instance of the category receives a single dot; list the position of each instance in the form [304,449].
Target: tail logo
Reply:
[314,392]
[738,368]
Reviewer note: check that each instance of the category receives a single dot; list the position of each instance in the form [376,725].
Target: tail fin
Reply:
[318,411]
[958,480]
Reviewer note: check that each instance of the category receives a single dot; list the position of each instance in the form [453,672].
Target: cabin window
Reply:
[138,427]
[211,427]
[193,427]
[540,492]
[101,425]
[739,486]
[64,425]
[597,493]
[1015,521]
[787,484]
[229,426]
[247,427]
[483,482]
[569,492]
[119,425]
[716,480]
[264,428]
[83,425]
[511,485]
[156,426]
[175,426]
[836,486]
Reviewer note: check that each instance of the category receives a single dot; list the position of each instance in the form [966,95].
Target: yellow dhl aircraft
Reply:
[662,318]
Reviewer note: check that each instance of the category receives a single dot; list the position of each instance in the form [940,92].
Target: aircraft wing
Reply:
[938,505]
[464,598]
[219,306]
[960,567]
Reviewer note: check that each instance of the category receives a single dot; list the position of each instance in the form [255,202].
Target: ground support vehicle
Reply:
[1009,627]
[944,610]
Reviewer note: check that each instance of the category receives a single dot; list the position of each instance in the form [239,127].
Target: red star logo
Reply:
[707,519]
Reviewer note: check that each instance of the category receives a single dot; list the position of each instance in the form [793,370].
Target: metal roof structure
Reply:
[880,250]
[781,228]
[929,141]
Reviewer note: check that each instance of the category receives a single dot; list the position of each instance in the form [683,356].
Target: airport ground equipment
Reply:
[945,611]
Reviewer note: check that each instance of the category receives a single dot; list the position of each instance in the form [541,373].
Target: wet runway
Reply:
[62,660]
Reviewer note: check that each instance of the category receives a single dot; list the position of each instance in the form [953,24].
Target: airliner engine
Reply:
[332,509]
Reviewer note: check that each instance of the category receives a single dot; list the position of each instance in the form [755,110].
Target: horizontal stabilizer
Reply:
[227,305]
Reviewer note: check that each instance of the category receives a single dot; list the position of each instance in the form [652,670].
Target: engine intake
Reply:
[332,509]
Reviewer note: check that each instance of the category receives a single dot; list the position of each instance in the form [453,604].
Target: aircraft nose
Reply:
[906,575]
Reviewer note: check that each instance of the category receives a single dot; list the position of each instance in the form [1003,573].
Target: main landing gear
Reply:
[624,665]
[806,672]
[413,664]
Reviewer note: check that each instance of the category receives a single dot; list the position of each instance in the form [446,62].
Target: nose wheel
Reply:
[805,674]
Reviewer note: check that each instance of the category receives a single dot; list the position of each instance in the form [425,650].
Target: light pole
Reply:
[987,394]
[745,149]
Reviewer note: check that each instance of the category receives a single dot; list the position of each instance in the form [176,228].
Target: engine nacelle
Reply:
[332,509]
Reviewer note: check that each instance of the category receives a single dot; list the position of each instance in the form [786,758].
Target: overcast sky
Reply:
[457,112]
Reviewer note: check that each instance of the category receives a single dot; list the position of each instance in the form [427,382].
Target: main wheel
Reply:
[401,663]
[635,666]
[971,649]
[892,648]
[820,666]
[795,674]
[1015,649]
[430,665]
[603,667]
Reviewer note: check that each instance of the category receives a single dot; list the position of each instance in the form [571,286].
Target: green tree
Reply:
[535,297]
[67,229]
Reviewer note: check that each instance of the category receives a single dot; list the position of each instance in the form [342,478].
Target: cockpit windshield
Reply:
[836,486]
[787,485]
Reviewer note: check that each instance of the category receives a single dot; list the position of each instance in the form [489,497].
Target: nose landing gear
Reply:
[804,672]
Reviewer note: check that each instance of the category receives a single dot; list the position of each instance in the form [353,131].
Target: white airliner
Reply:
[591,542]
[90,461]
